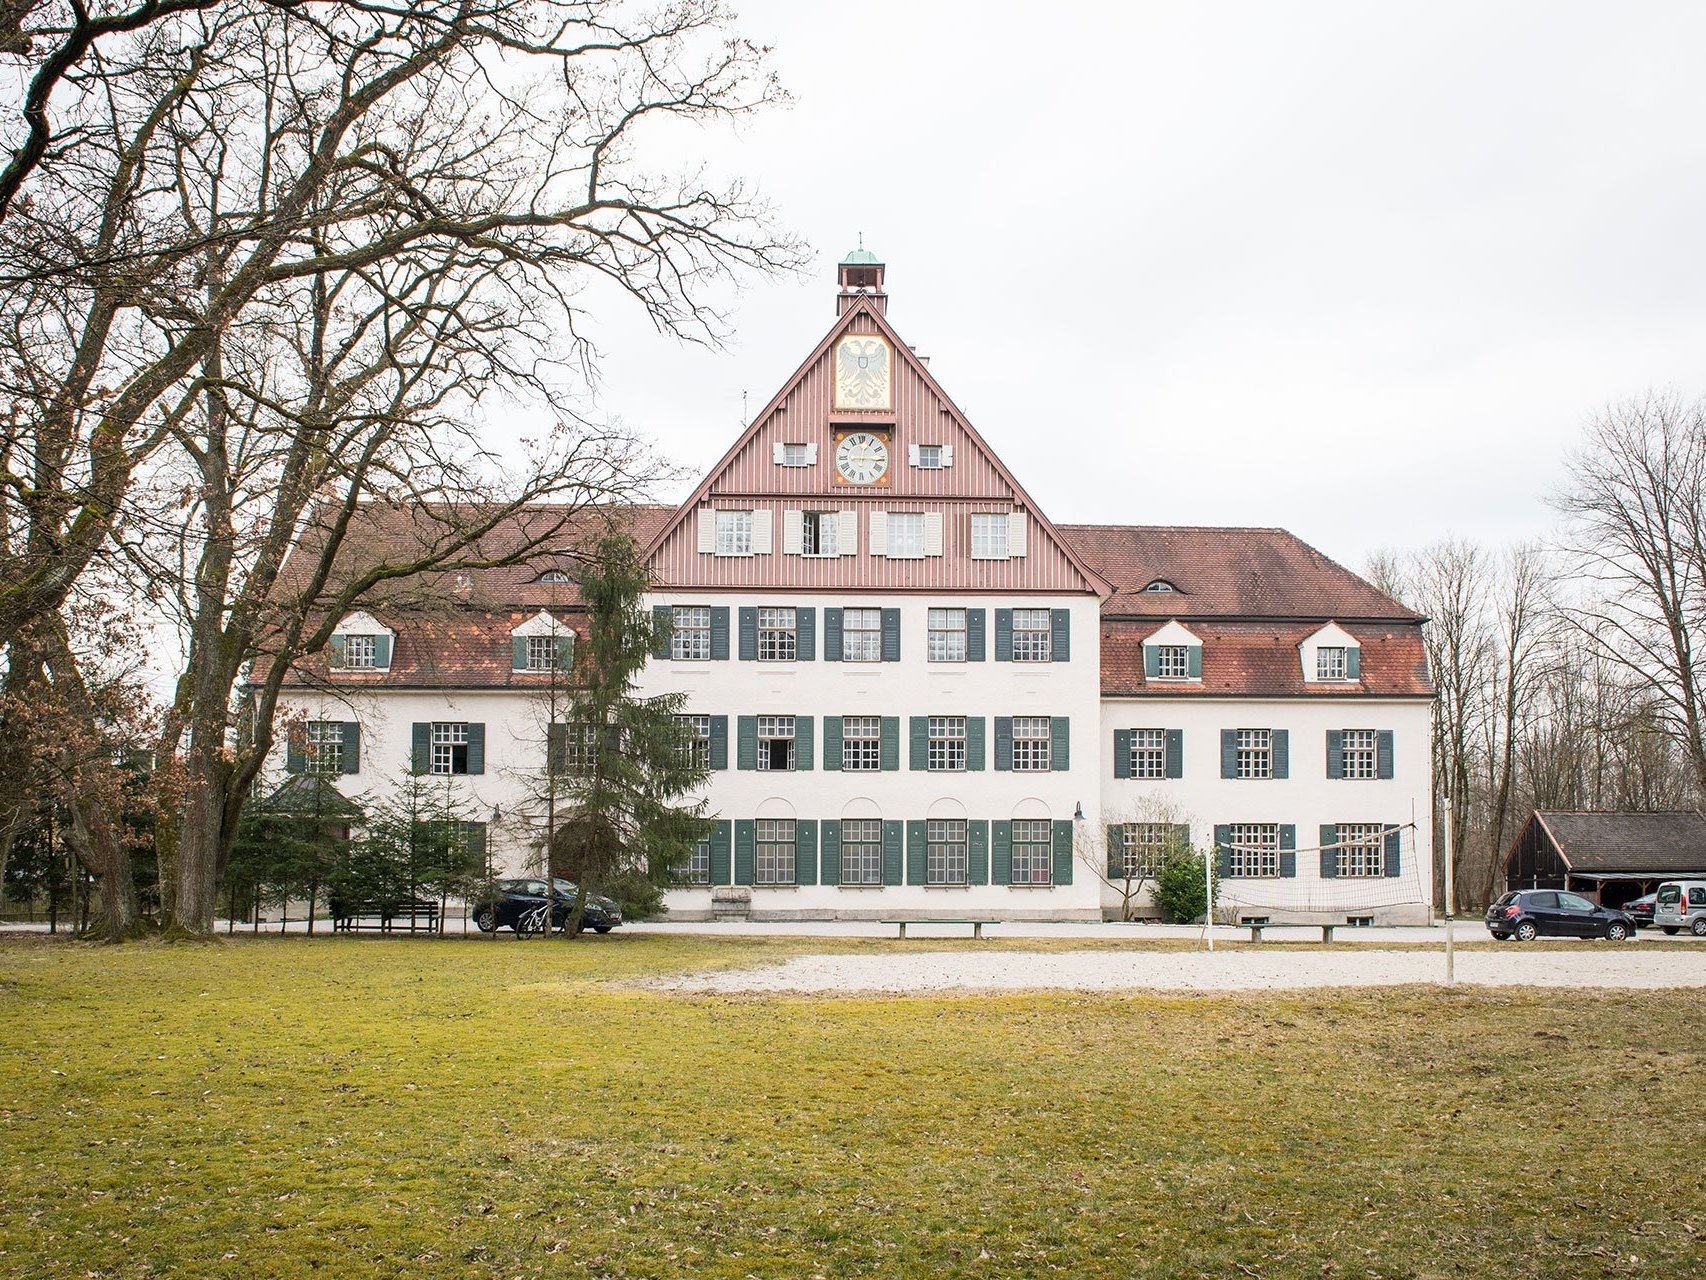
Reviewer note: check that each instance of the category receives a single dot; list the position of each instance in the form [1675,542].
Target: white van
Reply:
[1681,904]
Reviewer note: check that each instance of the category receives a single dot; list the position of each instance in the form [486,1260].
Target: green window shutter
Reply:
[977,851]
[474,841]
[830,852]
[1193,661]
[1353,661]
[556,747]
[1060,635]
[382,651]
[832,742]
[1151,661]
[1383,753]
[335,652]
[746,851]
[915,853]
[1175,753]
[476,748]
[420,747]
[663,622]
[1288,851]
[804,744]
[1004,743]
[1394,852]
[518,653]
[832,635]
[1122,753]
[352,746]
[719,742]
[974,635]
[1116,851]
[1329,851]
[889,744]
[1060,744]
[1335,753]
[918,734]
[891,635]
[1282,753]
[1222,851]
[805,634]
[720,633]
[746,742]
[1229,753]
[564,652]
[1004,635]
[1063,859]
[892,836]
[1001,853]
[805,851]
[1182,836]
[721,839]
[296,757]
[974,744]
[748,634]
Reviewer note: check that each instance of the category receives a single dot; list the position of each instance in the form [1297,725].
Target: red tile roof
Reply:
[1224,573]
[1253,659]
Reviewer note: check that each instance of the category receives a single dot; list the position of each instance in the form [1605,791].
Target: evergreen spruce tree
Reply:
[619,765]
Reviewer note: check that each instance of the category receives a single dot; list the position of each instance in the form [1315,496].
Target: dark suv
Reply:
[1528,914]
[519,905]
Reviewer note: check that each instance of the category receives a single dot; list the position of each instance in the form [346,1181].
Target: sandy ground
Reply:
[1242,970]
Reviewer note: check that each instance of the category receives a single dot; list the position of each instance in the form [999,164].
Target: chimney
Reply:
[860,275]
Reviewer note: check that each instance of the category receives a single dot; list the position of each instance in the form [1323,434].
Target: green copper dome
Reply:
[861,257]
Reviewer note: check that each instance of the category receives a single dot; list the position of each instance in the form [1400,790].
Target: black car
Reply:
[520,905]
[1641,909]
[1528,914]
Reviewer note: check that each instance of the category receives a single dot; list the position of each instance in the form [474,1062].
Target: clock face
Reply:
[862,458]
[862,372]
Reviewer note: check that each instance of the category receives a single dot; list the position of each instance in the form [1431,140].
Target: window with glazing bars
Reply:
[945,851]
[861,743]
[794,455]
[579,750]
[1255,849]
[946,639]
[861,635]
[1031,851]
[1362,849]
[698,746]
[325,752]
[690,635]
[1332,663]
[734,533]
[1149,753]
[776,636]
[989,536]
[1030,635]
[947,744]
[450,747]
[775,742]
[775,850]
[1172,661]
[542,653]
[1360,759]
[862,851]
[930,457]
[1146,848]
[820,533]
[1030,744]
[360,652]
[1255,753]
[905,535]
[699,863]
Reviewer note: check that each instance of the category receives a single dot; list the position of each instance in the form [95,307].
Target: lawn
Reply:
[274,1107]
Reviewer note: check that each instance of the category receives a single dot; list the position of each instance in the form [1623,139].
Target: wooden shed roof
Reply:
[1627,843]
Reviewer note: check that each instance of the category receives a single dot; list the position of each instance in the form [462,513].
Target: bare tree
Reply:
[1519,627]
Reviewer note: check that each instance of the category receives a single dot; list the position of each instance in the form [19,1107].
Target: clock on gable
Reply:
[861,457]
[863,369]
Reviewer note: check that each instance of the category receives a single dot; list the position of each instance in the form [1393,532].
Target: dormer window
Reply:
[542,644]
[547,653]
[364,646]
[1332,663]
[555,575]
[1172,662]
[359,653]
[1160,587]
[1174,653]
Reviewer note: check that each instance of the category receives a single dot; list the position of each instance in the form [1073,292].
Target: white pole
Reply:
[1450,891]
[1208,899]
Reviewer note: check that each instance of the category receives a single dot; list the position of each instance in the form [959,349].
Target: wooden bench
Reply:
[416,915]
[1256,926]
[976,925]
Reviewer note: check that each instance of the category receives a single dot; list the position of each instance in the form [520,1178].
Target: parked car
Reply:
[1528,914]
[1641,910]
[1681,905]
[519,904]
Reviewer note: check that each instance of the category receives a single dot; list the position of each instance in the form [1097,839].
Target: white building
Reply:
[921,697]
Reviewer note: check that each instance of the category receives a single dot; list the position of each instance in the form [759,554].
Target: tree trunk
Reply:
[204,837]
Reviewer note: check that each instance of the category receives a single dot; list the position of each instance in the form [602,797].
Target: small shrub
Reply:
[1179,890]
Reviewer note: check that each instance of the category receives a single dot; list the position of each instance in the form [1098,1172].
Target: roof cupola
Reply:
[860,275]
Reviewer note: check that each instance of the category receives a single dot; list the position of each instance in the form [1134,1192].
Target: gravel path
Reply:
[1243,970]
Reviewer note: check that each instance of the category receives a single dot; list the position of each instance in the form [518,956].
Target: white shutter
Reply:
[879,533]
[776,454]
[1016,524]
[848,543]
[932,533]
[811,455]
[793,532]
[947,455]
[912,455]
[707,531]
[762,527]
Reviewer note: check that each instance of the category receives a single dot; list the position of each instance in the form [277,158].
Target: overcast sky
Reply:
[1362,271]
